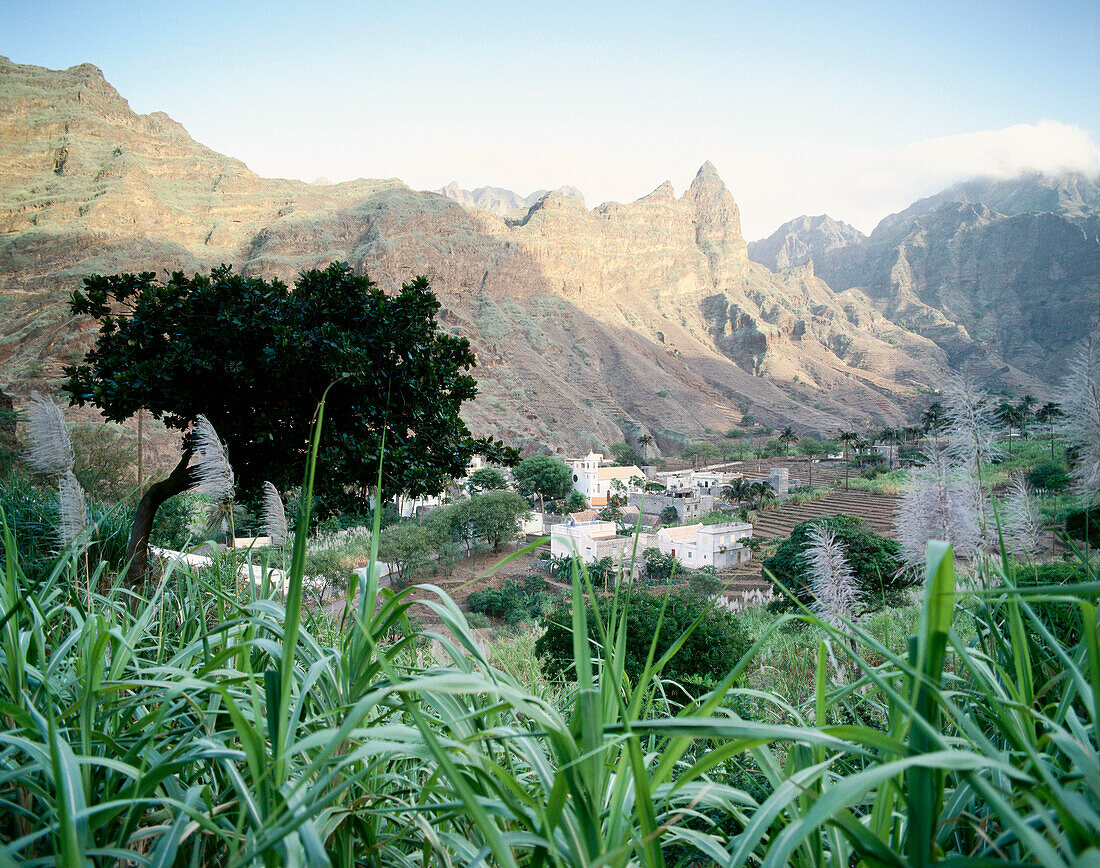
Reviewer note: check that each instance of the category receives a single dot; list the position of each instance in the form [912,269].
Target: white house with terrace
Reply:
[592,541]
[593,477]
[707,545]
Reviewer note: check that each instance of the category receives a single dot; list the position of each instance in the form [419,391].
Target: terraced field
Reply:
[877,509]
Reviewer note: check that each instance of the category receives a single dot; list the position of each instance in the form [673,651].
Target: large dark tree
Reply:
[255,358]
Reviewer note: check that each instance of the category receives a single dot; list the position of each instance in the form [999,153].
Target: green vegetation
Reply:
[546,478]
[875,562]
[625,456]
[653,626]
[1048,476]
[485,479]
[515,602]
[259,365]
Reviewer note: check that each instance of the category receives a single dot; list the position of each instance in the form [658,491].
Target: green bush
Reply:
[705,581]
[1048,476]
[660,568]
[1084,525]
[875,562]
[172,525]
[710,651]
[477,620]
[515,602]
[31,512]
[669,515]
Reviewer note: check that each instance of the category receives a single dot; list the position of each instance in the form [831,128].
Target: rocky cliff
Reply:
[589,325]
[1003,275]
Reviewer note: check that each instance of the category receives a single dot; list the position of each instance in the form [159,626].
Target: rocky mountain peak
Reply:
[717,217]
[802,240]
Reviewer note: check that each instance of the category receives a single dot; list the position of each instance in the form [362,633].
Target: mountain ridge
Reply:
[590,326]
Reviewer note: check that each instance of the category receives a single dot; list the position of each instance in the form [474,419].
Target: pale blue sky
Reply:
[804,108]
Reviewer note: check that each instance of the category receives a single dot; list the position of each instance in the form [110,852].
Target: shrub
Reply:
[515,601]
[172,527]
[1084,525]
[662,393]
[875,562]
[31,513]
[659,567]
[477,620]
[748,419]
[714,648]
[669,515]
[1048,476]
[1063,619]
[705,581]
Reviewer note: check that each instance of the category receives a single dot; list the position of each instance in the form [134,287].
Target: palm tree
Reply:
[849,439]
[737,491]
[890,437]
[644,442]
[1024,408]
[810,448]
[765,495]
[1046,415]
[787,438]
[933,418]
[1009,416]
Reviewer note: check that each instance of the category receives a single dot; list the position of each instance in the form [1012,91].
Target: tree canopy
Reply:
[486,479]
[543,476]
[254,358]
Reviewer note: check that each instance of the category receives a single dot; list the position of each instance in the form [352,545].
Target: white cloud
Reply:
[863,186]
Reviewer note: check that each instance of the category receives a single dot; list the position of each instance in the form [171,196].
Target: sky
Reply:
[853,109]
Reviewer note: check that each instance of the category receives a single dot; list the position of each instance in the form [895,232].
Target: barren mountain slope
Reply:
[587,324]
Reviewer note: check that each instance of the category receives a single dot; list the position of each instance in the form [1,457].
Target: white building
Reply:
[592,541]
[593,477]
[702,545]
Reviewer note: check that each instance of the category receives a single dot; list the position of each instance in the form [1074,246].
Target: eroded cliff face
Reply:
[1004,276]
[587,324]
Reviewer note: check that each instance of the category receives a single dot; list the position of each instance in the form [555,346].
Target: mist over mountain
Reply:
[503,203]
[589,325]
[994,271]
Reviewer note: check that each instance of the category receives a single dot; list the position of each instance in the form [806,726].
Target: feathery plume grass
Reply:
[1021,521]
[941,503]
[831,578]
[50,452]
[72,509]
[213,474]
[274,516]
[1079,399]
[971,433]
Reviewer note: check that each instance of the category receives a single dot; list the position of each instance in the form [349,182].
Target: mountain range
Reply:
[590,326]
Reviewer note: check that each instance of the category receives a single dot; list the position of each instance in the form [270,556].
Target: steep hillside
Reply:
[1002,275]
[588,325]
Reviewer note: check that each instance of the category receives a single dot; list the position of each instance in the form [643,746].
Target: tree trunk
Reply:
[137,552]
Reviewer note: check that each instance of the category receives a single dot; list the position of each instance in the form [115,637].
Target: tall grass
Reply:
[199,724]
